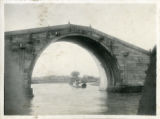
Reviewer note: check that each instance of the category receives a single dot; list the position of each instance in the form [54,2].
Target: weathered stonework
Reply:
[125,64]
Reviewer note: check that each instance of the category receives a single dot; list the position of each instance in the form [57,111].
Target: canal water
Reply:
[63,99]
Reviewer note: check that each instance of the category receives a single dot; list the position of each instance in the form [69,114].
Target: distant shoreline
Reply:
[47,82]
[61,79]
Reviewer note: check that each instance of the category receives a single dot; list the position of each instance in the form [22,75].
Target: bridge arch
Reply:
[124,63]
[107,59]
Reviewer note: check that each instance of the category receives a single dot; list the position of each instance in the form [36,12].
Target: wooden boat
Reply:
[79,85]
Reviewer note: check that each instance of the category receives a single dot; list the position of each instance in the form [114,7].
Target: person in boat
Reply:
[77,82]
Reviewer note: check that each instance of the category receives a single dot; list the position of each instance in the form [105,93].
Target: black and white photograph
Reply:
[80,59]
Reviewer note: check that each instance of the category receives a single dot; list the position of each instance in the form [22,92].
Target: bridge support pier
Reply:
[29,92]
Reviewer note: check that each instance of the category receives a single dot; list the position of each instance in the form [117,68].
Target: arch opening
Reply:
[106,63]
[60,59]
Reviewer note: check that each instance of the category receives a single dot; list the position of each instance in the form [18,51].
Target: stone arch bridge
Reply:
[124,63]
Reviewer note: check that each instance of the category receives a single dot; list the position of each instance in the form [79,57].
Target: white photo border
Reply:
[2,2]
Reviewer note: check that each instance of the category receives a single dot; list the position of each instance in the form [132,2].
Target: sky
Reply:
[67,57]
[133,23]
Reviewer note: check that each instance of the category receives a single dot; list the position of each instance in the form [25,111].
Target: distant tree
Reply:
[75,74]
[75,77]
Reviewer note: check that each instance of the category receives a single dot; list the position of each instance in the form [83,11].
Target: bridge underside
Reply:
[108,62]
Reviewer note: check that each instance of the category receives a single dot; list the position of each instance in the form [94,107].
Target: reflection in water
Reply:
[123,103]
[60,98]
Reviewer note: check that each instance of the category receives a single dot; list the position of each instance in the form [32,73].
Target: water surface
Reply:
[61,98]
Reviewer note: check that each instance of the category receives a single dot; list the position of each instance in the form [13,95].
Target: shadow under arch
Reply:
[95,48]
